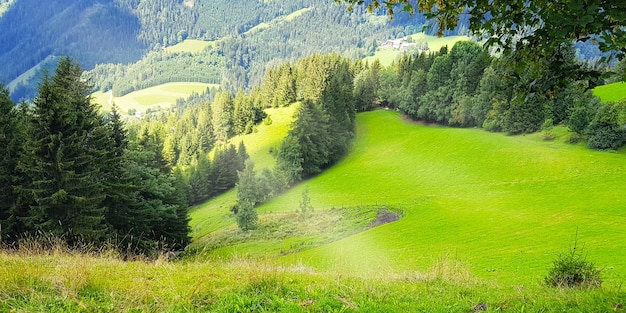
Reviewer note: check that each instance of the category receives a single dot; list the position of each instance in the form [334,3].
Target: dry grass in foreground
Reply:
[60,280]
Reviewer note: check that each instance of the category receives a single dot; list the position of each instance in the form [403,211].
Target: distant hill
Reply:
[92,31]
[250,35]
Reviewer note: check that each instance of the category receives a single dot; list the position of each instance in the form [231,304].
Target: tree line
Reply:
[68,171]
[72,173]
[157,68]
[466,87]
[320,134]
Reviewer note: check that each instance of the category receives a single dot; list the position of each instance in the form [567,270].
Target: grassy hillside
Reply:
[162,96]
[277,21]
[504,205]
[34,73]
[611,92]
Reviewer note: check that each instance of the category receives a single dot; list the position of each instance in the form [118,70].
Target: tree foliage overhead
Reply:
[539,25]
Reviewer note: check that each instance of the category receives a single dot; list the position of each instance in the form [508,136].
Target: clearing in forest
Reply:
[163,96]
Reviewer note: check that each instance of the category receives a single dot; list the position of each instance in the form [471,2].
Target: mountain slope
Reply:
[251,35]
[90,30]
[503,205]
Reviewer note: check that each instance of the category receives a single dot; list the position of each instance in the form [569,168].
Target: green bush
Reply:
[247,217]
[573,270]
[606,130]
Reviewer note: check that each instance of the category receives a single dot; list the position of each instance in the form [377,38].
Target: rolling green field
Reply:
[266,139]
[387,56]
[611,92]
[162,96]
[503,205]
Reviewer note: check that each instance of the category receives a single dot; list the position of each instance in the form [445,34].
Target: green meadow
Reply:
[505,206]
[611,92]
[482,217]
[164,96]
[266,138]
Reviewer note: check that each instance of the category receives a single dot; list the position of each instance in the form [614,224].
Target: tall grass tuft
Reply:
[572,269]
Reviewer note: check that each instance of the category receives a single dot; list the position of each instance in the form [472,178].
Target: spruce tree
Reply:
[222,116]
[242,156]
[120,185]
[200,181]
[226,163]
[64,153]
[247,217]
[311,132]
[10,141]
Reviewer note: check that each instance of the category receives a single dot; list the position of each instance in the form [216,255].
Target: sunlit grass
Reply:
[506,205]
[261,145]
[81,283]
[277,21]
[611,92]
[164,96]
[286,233]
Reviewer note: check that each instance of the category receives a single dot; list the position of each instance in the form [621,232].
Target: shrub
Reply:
[247,217]
[606,130]
[575,138]
[573,270]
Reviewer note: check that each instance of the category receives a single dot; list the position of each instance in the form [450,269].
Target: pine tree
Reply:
[247,217]
[121,186]
[200,181]
[205,128]
[243,116]
[158,214]
[224,170]
[222,116]
[64,153]
[250,187]
[311,133]
[337,103]
[10,140]
[242,156]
